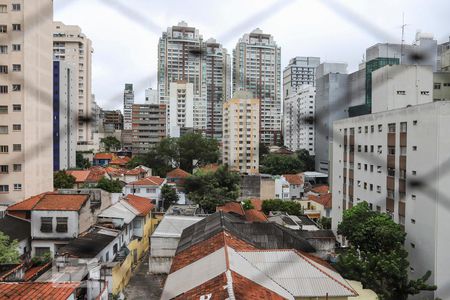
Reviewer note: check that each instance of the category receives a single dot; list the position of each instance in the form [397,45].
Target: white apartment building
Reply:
[299,119]
[395,160]
[240,148]
[26,163]
[128,101]
[182,58]
[301,70]
[72,46]
[257,69]
[181,111]
[151,96]
[65,116]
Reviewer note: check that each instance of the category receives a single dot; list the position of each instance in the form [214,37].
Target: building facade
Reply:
[26,154]
[301,70]
[218,80]
[241,133]
[128,101]
[394,160]
[65,116]
[181,111]
[257,69]
[149,126]
[151,96]
[72,46]
[112,120]
[299,119]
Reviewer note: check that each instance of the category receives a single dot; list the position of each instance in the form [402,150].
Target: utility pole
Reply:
[403,38]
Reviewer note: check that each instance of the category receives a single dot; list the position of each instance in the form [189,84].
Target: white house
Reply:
[149,187]
[281,188]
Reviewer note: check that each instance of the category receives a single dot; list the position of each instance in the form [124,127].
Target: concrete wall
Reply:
[267,188]
[72,224]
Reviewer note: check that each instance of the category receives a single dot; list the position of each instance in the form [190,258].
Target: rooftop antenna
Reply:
[403,37]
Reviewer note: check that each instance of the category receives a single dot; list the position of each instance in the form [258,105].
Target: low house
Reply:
[281,188]
[176,178]
[40,290]
[317,206]
[88,178]
[102,159]
[295,185]
[237,209]
[119,161]
[165,238]
[148,187]
[17,229]
[246,258]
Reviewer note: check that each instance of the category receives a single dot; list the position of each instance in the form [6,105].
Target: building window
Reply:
[401,92]
[415,122]
[414,172]
[17,147]
[3,69]
[3,89]
[425,93]
[4,169]
[46,224]
[402,150]
[3,129]
[380,127]
[391,127]
[3,28]
[379,169]
[414,148]
[16,7]
[437,86]
[41,251]
[16,87]
[413,221]
[61,224]
[17,107]
[17,186]
[359,129]
[413,197]
[16,47]
[3,49]
[17,127]
[17,68]
[391,150]
[17,168]
[16,27]
[378,189]
[3,8]
[4,188]
[3,109]
[4,149]
[403,127]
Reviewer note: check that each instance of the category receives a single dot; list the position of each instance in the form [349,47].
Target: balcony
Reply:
[401,208]
[344,189]
[352,140]
[351,157]
[402,165]
[403,139]
[401,185]
[345,172]
[350,191]
[350,173]
[390,182]
[345,157]
[389,205]
[345,140]
[391,139]
[391,161]
[344,204]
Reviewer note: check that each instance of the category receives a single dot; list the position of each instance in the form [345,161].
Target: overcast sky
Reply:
[125,33]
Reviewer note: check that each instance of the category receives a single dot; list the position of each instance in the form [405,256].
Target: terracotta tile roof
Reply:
[233,207]
[257,203]
[37,290]
[26,204]
[80,175]
[141,204]
[320,189]
[115,171]
[61,202]
[33,271]
[103,156]
[253,215]
[119,160]
[152,180]
[324,199]
[293,179]
[135,171]
[96,173]
[177,173]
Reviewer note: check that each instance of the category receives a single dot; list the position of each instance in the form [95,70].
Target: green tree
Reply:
[247,204]
[277,164]
[212,189]
[376,255]
[81,162]
[263,151]
[308,160]
[63,180]
[9,253]
[169,196]
[287,206]
[325,222]
[109,185]
[196,151]
[110,142]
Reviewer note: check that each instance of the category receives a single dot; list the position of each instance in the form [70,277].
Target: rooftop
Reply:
[293,179]
[177,173]
[120,210]
[150,181]
[52,201]
[173,226]
[141,204]
[320,189]
[103,156]
[37,290]
[80,175]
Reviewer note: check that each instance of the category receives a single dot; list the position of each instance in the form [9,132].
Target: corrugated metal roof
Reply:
[173,226]
[120,210]
[299,275]
[195,274]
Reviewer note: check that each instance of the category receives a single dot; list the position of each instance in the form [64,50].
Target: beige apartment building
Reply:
[241,133]
[71,45]
[26,153]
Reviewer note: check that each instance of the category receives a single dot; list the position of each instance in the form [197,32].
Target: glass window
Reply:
[46,224]
[61,224]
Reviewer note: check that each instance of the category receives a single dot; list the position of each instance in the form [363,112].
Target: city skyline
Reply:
[273,16]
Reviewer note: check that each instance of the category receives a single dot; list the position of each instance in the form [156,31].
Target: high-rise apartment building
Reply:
[128,101]
[218,80]
[181,57]
[26,105]
[257,69]
[301,70]
[181,113]
[149,126]
[72,46]
[112,120]
[299,119]
[65,116]
[240,148]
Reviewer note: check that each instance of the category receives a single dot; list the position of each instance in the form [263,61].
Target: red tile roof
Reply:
[135,171]
[234,207]
[115,171]
[320,189]
[253,215]
[26,204]
[95,174]
[119,160]
[293,179]
[257,203]
[324,199]
[31,273]
[177,173]
[152,180]
[141,204]
[103,156]
[61,202]
[80,175]
[37,290]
